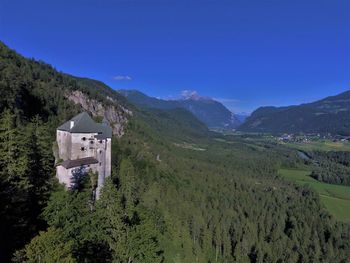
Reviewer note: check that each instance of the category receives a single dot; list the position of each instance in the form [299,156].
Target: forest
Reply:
[220,200]
[331,167]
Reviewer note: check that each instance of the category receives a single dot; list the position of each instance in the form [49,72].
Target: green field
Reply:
[336,198]
[324,145]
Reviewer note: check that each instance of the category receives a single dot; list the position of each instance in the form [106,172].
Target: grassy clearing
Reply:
[336,198]
[324,145]
[189,146]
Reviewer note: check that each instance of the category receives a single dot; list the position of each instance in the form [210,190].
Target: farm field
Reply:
[336,198]
[324,145]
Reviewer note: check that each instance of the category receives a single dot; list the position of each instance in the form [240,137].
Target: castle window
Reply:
[100,141]
[91,142]
[100,163]
[100,152]
[84,139]
[82,149]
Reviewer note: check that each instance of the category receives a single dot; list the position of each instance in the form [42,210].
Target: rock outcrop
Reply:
[116,114]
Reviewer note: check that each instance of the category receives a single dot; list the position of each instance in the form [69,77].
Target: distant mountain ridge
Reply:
[210,112]
[329,115]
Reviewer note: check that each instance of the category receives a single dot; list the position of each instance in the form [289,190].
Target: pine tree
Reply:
[38,147]
[128,186]
[13,161]
[14,186]
[48,246]
[109,215]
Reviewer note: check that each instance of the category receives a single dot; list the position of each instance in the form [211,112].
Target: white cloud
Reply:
[122,77]
[187,94]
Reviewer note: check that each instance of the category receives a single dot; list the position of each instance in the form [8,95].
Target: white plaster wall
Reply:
[108,157]
[63,139]
[70,148]
[105,164]
[65,175]
[77,143]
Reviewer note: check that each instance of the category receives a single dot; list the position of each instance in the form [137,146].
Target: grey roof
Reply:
[84,124]
[78,162]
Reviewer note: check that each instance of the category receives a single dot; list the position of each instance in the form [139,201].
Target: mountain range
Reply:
[329,115]
[211,112]
[178,192]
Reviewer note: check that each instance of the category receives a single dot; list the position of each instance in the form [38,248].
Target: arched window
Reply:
[82,149]
[91,142]
[84,139]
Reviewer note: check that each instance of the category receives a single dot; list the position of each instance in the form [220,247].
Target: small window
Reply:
[100,141]
[82,149]
[100,152]
[91,142]
[100,163]
[84,138]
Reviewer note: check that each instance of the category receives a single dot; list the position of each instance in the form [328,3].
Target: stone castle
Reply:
[83,146]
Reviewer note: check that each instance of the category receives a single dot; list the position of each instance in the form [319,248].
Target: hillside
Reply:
[209,111]
[177,193]
[330,115]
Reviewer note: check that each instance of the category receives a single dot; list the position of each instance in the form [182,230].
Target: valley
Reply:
[178,192]
[176,131]
[321,145]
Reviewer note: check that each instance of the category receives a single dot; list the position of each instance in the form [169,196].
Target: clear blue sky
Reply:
[246,53]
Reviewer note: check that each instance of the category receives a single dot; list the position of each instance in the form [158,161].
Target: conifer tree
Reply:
[109,214]
[48,246]
[14,186]
[128,186]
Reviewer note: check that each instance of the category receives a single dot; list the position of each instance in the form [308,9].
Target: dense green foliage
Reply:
[336,198]
[26,167]
[330,115]
[219,201]
[332,167]
[227,204]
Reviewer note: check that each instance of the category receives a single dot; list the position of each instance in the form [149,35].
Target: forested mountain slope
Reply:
[209,111]
[330,115]
[178,193]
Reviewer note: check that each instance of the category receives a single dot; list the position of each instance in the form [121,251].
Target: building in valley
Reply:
[83,146]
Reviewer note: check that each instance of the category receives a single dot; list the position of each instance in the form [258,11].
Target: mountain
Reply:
[242,117]
[176,194]
[329,115]
[210,112]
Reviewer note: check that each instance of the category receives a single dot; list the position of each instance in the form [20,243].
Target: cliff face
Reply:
[116,114]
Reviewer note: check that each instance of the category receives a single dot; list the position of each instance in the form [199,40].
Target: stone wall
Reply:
[81,145]
[65,175]
[64,143]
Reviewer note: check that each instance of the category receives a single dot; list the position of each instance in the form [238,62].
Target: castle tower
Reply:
[83,146]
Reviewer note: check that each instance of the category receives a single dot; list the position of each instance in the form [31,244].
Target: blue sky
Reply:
[245,53]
